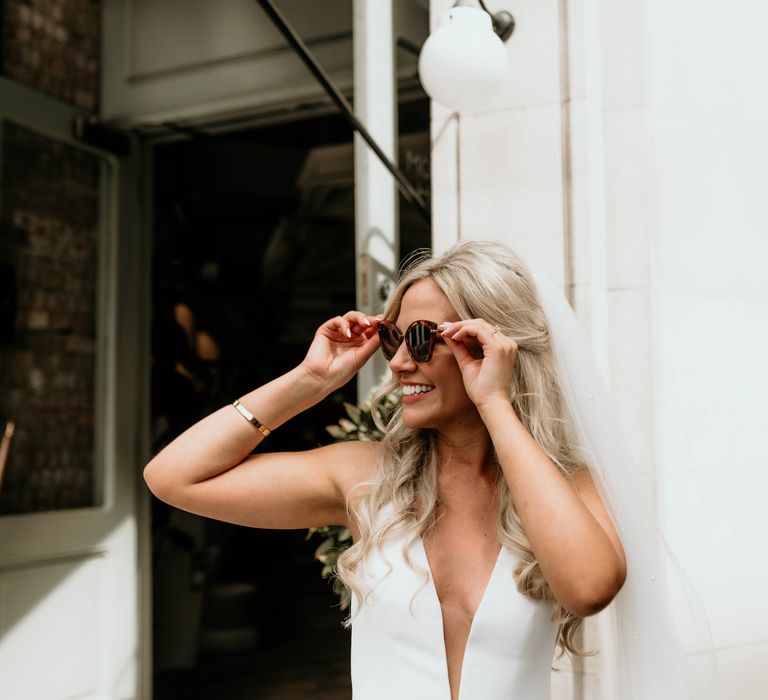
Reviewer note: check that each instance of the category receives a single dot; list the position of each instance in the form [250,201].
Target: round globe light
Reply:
[462,64]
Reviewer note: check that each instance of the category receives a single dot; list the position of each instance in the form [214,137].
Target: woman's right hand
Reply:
[342,345]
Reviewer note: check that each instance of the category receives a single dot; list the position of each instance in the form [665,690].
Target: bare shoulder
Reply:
[352,466]
[352,463]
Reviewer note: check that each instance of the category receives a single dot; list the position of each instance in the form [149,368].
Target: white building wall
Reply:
[708,118]
[626,158]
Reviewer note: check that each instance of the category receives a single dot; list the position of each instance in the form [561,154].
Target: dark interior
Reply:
[253,249]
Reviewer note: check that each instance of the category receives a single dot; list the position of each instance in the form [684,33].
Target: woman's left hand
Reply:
[489,378]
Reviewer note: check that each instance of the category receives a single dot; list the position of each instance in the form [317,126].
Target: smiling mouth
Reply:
[414,389]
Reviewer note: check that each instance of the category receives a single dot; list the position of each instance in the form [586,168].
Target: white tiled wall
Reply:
[621,38]
[744,671]
[444,181]
[626,203]
[664,133]
[586,191]
[511,181]
[632,362]
[707,125]
[712,382]
[707,63]
[715,520]
[711,194]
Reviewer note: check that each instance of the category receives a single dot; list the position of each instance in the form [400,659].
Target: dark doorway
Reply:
[253,249]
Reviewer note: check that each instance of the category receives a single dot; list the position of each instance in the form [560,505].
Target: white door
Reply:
[69,593]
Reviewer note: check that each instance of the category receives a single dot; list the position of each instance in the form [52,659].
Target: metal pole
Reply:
[409,192]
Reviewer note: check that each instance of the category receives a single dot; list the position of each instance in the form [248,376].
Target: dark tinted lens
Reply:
[419,340]
[390,339]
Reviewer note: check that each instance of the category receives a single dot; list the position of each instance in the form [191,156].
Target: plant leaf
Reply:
[336,432]
[353,412]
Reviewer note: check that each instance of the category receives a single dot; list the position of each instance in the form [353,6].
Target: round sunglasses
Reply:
[420,338]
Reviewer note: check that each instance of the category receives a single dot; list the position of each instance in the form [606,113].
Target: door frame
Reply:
[121,400]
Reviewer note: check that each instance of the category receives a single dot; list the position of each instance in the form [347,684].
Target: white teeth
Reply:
[410,389]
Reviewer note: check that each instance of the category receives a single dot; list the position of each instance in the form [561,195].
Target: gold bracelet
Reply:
[245,413]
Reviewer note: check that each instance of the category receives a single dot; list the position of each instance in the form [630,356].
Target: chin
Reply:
[415,420]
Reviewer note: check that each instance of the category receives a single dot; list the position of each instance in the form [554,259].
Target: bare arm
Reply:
[207,469]
[569,529]
[284,490]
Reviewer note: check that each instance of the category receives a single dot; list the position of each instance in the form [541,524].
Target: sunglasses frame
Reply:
[434,338]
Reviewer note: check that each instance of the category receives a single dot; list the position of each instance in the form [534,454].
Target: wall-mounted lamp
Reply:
[463,62]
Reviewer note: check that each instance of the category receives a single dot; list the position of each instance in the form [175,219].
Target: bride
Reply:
[485,524]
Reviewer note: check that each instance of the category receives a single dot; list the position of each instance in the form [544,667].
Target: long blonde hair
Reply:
[481,279]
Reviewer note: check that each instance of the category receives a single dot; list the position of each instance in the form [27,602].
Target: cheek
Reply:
[449,376]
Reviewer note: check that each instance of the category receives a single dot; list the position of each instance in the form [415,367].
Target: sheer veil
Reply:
[656,650]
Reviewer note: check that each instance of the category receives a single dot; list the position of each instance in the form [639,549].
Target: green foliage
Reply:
[334,539]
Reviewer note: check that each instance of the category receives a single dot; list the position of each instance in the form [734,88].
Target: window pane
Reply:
[49,225]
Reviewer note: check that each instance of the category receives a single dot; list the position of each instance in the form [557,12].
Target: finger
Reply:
[332,324]
[358,317]
[365,330]
[344,327]
[339,326]
[371,339]
[472,344]
[370,346]
[460,351]
[462,330]
[360,332]
[478,329]
[450,328]
[467,333]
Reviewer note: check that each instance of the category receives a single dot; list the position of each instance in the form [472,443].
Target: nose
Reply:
[402,361]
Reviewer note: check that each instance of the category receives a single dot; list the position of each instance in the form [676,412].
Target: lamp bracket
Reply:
[503,21]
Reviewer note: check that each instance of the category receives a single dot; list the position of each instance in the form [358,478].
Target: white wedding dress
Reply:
[399,653]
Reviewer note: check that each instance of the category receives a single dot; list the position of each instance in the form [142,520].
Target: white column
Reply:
[375,104]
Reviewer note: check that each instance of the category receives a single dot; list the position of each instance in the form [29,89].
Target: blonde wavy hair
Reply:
[488,280]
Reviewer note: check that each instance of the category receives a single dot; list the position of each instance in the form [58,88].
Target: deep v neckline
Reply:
[472,624]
